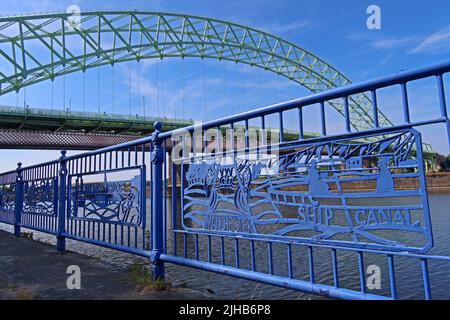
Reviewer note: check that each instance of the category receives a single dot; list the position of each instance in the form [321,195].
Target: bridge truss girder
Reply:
[42,47]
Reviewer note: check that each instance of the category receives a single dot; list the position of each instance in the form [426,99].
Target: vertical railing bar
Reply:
[300,124]
[426,279]
[392,276]
[323,118]
[263,132]
[218,145]
[165,186]
[361,272]
[281,125]
[193,139]
[247,137]
[205,141]
[289,253]
[60,239]
[347,115]
[232,142]
[312,277]
[376,123]
[236,252]
[121,235]
[252,253]
[222,247]
[405,103]
[269,256]
[174,206]
[185,244]
[128,236]
[209,249]
[335,268]
[196,247]
[18,205]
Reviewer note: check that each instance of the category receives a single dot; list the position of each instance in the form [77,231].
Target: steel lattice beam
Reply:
[34,48]
[21,139]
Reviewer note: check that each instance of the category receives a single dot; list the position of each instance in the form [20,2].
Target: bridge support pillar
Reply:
[60,239]
[18,204]
[157,231]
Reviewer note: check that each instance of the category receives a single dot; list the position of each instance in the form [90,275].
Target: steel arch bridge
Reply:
[35,48]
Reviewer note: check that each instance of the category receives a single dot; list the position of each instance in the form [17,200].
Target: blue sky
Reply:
[413,33]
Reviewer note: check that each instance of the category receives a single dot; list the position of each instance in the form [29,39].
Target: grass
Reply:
[142,277]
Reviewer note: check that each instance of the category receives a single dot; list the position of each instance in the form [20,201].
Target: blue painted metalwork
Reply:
[158,229]
[8,197]
[312,190]
[60,238]
[18,206]
[119,201]
[249,217]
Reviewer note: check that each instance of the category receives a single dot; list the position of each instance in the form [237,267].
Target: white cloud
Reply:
[288,27]
[439,40]
[391,43]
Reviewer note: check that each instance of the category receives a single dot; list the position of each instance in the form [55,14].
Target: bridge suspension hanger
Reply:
[129,85]
[139,91]
[64,93]
[204,89]
[25,97]
[84,90]
[112,89]
[157,88]
[163,103]
[53,94]
[182,88]
[98,88]
[224,84]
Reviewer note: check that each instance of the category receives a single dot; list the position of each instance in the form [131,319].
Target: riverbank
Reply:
[34,270]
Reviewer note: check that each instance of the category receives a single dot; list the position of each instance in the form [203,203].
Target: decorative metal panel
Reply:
[41,197]
[7,197]
[350,193]
[118,201]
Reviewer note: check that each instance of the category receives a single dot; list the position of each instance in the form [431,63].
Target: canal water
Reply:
[408,271]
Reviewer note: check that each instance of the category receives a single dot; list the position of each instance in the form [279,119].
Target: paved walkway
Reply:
[34,270]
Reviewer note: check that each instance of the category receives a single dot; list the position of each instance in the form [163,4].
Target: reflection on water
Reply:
[408,271]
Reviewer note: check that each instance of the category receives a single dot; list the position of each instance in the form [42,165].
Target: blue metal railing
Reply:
[129,197]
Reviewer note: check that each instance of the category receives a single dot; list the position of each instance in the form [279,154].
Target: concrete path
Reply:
[33,270]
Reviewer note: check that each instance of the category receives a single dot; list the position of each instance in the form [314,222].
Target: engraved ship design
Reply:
[320,183]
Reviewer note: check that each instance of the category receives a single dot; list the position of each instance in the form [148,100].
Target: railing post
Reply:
[157,205]
[60,239]
[18,204]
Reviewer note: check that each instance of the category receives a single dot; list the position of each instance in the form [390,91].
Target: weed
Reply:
[28,235]
[143,278]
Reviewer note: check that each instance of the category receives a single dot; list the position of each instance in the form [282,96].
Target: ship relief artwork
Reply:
[112,201]
[370,193]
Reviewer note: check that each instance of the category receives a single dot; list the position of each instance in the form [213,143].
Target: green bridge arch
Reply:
[35,48]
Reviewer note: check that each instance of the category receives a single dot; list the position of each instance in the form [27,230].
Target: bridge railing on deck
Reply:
[100,197]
